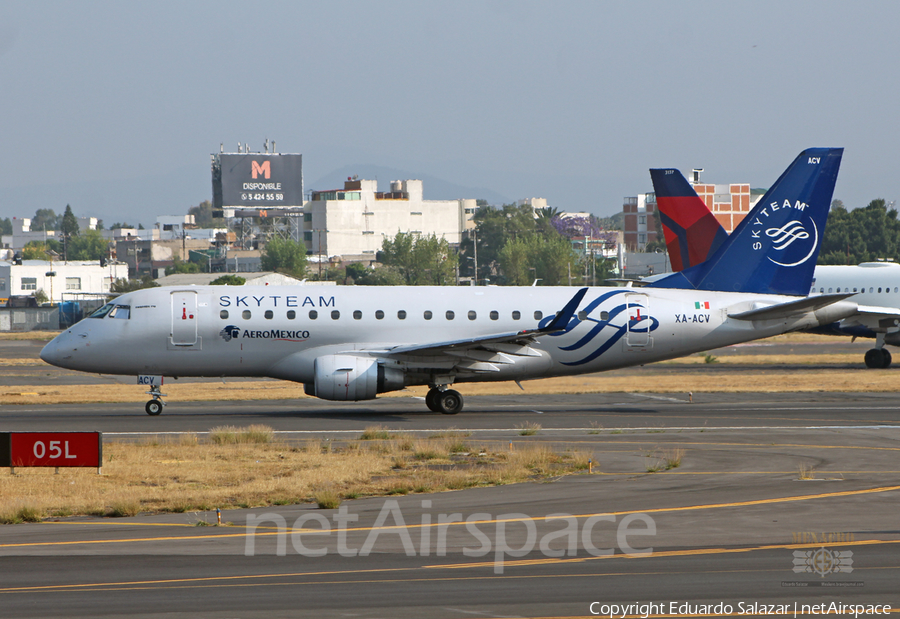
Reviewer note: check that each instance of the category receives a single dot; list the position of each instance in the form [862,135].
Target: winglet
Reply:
[565,315]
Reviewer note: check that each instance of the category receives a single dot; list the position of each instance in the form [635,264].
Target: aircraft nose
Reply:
[50,352]
[57,351]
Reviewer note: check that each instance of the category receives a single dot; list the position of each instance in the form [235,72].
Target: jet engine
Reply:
[346,377]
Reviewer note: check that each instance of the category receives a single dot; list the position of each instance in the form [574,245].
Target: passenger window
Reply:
[427,314]
[357,314]
[871,289]
[450,314]
[895,289]
[335,314]
[245,314]
[379,314]
[830,289]
[516,315]
[879,289]
[495,315]
[291,314]
[838,289]
[223,314]
[854,289]
[401,314]
[604,315]
[313,314]
[538,315]
[472,315]
[269,314]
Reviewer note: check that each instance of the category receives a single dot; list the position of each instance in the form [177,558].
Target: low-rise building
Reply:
[60,281]
[354,221]
[640,221]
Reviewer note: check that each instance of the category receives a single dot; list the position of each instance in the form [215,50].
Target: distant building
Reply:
[152,257]
[351,223]
[729,203]
[262,278]
[60,281]
[640,221]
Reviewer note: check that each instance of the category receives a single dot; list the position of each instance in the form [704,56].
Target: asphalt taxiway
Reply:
[734,523]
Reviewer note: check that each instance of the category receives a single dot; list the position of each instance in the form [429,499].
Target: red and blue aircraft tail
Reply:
[692,232]
[774,249]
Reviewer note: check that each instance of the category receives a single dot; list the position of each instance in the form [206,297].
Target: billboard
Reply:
[257,180]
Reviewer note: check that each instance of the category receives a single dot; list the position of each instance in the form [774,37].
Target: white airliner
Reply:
[693,234]
[352,343]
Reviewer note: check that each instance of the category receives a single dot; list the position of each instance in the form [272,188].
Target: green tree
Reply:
[203,216]
[45,219]
[121,286]
[493,229]
[420,260]
[228,280]
[285,256]
[181,266]
[88,246]
[5,226]
[69,229]
[40,250]
[861,235]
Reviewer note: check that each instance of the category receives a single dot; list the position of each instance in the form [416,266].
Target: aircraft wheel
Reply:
[431,400]
[885,358]
[450,402]
[153,407]
[875,358]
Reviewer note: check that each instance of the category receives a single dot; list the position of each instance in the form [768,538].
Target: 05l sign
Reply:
[51,449]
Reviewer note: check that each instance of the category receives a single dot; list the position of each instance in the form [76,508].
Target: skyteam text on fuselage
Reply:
[352,343]
[693,235]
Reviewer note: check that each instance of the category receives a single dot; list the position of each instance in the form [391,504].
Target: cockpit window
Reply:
[103,311]
[121,311]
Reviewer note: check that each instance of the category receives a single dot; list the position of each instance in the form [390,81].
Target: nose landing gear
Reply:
[155,406]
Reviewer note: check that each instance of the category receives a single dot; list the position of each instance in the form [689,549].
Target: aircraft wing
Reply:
[494,348]
[875,318]
[791,308]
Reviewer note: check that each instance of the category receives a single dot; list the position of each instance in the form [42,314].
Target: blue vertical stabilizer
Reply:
[774,249]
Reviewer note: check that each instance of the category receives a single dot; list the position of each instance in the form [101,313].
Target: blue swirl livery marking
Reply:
[616,332]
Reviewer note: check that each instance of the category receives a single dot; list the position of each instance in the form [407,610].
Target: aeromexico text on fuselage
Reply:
[290,300]
[284,335]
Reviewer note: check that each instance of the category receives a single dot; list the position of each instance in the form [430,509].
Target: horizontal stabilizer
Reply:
[791,308]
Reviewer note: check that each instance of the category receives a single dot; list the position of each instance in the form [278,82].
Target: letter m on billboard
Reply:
[264,168]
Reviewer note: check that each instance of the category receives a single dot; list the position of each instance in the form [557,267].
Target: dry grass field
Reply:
[236,468]
[753,373]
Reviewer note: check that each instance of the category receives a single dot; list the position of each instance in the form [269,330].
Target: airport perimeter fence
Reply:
[29,319]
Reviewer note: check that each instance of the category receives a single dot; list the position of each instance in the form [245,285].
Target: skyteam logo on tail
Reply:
[795,241]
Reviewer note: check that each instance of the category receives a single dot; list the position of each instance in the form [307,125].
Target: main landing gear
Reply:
[878,358]
[442,400]
[155,406]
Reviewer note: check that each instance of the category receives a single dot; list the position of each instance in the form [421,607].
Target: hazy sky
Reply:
[114,107]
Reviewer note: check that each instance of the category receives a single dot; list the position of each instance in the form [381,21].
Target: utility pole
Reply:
[475,243]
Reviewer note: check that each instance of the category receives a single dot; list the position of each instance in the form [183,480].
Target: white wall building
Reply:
[69,280]
[352,222]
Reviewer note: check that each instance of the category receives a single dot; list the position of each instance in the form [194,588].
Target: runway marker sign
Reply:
[56,449]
